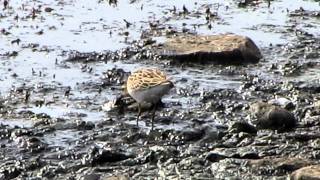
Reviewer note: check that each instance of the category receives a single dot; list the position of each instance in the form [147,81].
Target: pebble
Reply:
[242,126]
[272,117]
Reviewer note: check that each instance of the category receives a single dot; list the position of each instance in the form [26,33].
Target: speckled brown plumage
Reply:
[148,85]
[145,78]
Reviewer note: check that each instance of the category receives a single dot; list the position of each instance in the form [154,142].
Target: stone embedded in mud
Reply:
[120,103]
[249,155]
[96,156]
[32,144]
[272,117]
[92,176]
[84,125]
[48,9]
[316,104]
[212,134]
[110,105]
[280,164]
[114,76]
[309,172]
[192,134]
[117,177]
[236,152]
[282,102]
[215,156]
[158,153]
[216,49]
[50,171]
[9,172]
[242,126]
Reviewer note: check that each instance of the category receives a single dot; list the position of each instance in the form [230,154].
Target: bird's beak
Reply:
[171,85]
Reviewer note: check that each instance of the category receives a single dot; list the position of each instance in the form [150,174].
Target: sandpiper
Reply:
[148,85]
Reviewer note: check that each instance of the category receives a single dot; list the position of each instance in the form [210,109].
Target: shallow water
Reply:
[19,123]
[62,138]
[60,112]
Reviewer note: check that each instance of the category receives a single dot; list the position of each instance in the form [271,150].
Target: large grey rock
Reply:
[307,173]
[269,116]
[217,49]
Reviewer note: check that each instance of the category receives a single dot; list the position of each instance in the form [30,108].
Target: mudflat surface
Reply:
[61,61]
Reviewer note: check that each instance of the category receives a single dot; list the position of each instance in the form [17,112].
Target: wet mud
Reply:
[64,113]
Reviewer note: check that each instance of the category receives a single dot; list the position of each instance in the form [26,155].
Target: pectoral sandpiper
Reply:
[148,86]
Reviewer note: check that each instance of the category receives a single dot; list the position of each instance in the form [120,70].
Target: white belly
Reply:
[151,95]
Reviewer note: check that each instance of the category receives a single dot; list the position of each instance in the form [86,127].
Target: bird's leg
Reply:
[139,113]
[153,114]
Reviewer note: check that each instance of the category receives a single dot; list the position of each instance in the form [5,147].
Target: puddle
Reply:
[65,138]
[312,75]
[145,123]
[66,112]
[17,123]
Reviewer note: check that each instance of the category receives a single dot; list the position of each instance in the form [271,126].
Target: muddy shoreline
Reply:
[64,64]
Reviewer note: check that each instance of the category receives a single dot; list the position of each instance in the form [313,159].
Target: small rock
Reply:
[309,172]
[282,102]
[32,144]
[272,117]
[109,106]
[215,156]
[42,116]
[92,176]
[242,126]
[118,104]
[84,125]
[192,135]
[227,152]
[249,155]
[317,105]
[219,49]
[98,155]
[114,76]
[212,133]
[9,172]
[48,9]
[49,172]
